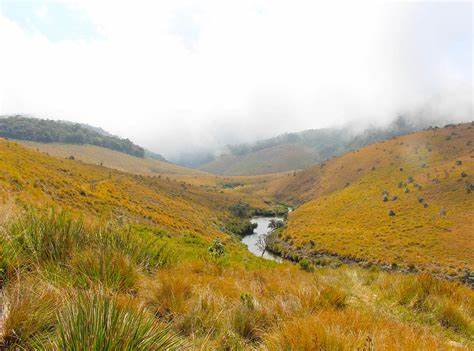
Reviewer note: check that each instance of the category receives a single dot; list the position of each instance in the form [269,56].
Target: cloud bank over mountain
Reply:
[185,75]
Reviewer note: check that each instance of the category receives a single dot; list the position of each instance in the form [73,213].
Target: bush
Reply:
[240,209]
[275,224]
[306,265]
[217,248]
[240,227]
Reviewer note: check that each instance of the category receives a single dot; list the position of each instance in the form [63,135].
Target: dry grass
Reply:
[433,226]
[30,178]
[234,301]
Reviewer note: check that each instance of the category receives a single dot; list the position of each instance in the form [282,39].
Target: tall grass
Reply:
[38,237]
[96,322]
[106,268]
[109,288]
[45,236]
[28,307]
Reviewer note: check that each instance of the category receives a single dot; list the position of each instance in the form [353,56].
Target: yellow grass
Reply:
[433,226]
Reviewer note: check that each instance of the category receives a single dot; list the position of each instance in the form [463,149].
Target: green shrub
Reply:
[240,227]
[240,209]
[217,248]
[306,265]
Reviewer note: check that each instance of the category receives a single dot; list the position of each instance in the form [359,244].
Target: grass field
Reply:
[68,285]
[93,258]
[111,159]
[29,178]
[424,178]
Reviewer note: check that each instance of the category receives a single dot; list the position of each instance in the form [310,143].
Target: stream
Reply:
[262,230]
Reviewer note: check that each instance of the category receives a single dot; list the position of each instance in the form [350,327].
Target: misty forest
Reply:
[236,175]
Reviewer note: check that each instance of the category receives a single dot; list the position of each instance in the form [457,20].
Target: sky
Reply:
[180,76]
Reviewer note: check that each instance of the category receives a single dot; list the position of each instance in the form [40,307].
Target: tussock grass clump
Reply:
[94,321]
[140,245]
[250,319]
[451,317]
[107,268]
[348,330]
[38,236]
[434,301]
[29,307]
[54,236]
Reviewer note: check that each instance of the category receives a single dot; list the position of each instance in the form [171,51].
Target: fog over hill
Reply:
[185,77]
[299,150]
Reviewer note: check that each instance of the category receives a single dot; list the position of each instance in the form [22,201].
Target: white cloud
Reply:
[181,74]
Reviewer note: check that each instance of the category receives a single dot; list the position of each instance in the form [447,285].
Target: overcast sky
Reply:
[178,75]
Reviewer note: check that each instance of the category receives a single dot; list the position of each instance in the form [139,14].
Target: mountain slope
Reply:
[32,178]
[293,151]
[425,178]
[112,159]
[155,269]
[273,159]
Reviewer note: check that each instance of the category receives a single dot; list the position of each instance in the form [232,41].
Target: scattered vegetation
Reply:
[430,223]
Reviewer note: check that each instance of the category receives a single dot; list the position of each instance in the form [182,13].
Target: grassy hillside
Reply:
[141,263]
[273,159]
[293,151]
[111,159]
[32,178]
[407,201]
[134,288]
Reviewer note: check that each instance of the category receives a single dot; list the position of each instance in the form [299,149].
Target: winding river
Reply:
[262,230]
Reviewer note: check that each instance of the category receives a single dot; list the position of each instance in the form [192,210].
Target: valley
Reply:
[166,247]
[236,176]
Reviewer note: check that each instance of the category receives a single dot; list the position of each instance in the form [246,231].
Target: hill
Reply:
[142,263]
[147,165]
[49,131]
[293,151]
[31,178]
[406,202]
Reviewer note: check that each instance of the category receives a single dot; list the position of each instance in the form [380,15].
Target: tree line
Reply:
[49,131]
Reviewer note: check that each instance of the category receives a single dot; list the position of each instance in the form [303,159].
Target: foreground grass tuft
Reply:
[93,321]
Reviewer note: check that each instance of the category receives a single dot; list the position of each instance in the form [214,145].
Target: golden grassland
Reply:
[276,159]
[96,155]
[112,159]
[142,252]
[424,178]
[77,275]
[31,178]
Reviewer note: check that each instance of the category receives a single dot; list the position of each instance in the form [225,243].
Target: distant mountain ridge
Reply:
[51,131]
[291,151]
